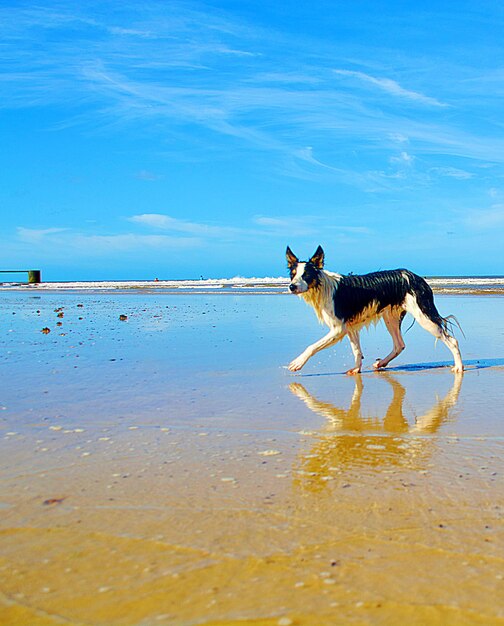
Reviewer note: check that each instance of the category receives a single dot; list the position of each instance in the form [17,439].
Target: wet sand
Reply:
[166,469]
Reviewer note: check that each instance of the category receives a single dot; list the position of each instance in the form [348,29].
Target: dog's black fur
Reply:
[387,288]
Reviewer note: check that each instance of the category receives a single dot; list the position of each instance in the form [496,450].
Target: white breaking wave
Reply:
[268,284]
[210,284]
[466,280]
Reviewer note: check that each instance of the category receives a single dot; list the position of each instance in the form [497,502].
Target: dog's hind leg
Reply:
[353,336]
[392,321]
[435,328]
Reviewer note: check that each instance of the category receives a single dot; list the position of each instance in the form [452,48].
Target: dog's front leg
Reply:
[332,337]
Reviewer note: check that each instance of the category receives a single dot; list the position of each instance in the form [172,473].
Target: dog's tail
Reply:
[446,324]
[425,300]
[449,322]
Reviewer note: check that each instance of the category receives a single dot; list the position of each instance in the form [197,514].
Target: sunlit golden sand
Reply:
[248,497]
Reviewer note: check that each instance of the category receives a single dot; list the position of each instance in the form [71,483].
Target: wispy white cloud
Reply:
[354,230]
[148,176]
[164,222]
[292,78]
[130,32]
[275,222]
[179,69]
[486,219]
[368,180]
[452,172]
[33,235]
[285,227]
[398,138]
[391,87]
[165,235]
[62,240]
[131,241]
[239,53]
[306,154]
[260,226]
[308,225]
[403,159]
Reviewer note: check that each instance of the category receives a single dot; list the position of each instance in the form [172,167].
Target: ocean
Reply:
[492,285]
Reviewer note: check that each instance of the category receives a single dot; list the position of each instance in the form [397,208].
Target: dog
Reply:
[348,303]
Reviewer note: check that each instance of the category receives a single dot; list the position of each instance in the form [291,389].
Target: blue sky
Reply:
[179,139]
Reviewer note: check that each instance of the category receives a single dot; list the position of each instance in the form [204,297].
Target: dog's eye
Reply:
[310,274]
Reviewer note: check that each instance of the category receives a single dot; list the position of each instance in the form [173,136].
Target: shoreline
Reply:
[181,292]
[449,285]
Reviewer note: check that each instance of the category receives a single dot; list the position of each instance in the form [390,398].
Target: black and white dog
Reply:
[347,303]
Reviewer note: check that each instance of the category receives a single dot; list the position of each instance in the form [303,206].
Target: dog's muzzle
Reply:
[293,288]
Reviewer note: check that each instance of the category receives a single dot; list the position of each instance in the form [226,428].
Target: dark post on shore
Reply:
[33,276]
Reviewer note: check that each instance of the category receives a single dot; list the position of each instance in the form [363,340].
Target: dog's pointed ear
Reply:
[291,257]
[318,258]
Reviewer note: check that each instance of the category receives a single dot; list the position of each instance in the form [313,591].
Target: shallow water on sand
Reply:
[166,469]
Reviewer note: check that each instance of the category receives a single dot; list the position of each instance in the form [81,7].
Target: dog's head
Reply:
[304,275]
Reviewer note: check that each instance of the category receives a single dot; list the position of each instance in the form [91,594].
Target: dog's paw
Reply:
[379,364]
[457,369]
[296,364]
[353,371]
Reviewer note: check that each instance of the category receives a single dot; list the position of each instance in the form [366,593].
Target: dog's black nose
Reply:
[292,288]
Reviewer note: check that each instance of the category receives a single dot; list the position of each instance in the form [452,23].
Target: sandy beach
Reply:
[165,468]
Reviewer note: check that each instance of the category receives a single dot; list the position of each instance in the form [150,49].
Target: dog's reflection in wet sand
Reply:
[350,438]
